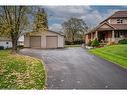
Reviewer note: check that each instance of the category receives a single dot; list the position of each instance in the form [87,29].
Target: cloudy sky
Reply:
[91,14]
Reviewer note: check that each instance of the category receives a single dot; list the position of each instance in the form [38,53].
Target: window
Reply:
[6,42]
[117,34]
[120,20]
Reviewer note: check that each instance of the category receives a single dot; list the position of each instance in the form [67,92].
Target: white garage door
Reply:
[35,41]
[51,42]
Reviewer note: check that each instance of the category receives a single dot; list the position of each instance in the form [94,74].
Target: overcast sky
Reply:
[91,14]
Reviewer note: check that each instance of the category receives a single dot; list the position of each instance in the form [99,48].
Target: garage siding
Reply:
[51,41]
[60,41]
[35,41]
[44,40]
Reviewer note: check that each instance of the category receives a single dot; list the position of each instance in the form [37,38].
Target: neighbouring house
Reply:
[21,41]
[5,42]
[49,39]
[112,29]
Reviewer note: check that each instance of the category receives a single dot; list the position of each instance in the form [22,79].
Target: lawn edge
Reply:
[43,67]
[107,59]
[45,70]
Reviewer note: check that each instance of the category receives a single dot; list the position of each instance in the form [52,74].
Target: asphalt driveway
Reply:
[75,68]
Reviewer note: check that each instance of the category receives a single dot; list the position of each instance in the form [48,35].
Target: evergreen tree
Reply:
[41,22]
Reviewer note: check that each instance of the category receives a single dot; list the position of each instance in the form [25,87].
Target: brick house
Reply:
[112,29]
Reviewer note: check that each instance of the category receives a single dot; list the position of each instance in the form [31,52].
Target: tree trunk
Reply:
[14,46]
[73,38]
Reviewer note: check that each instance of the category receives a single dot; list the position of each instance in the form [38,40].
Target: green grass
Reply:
[21,72]
[69,46]
[116,54]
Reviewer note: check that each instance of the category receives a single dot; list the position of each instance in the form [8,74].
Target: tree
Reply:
[13,21]
[40,22]
[74,29]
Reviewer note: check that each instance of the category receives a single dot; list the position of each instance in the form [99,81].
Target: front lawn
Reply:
[116,54]
[21,72]
[69,46]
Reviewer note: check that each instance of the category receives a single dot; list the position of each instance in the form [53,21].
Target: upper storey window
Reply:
[120,20]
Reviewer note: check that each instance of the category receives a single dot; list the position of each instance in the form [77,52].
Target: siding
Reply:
[60,41]
[114,21]
[3,43]
[26,41]
[43,39]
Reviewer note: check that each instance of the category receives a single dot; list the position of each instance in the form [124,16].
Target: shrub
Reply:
[74,42]
[1,48]
[20,46]
[79,42]
[67,42]
[95,43]
[89,43]
[124,41]
[111,43]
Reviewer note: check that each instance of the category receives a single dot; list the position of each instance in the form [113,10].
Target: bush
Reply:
[67,43]
[74,43]
[79,42]
[1,47]
[20,46]
[95,43]
[89,43]
[111,43]
[124,41]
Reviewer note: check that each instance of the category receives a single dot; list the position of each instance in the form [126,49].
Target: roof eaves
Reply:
[56,32]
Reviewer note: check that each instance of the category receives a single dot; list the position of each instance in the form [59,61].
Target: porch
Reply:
[105,36]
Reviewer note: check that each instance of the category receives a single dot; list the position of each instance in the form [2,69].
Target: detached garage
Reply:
[49,39]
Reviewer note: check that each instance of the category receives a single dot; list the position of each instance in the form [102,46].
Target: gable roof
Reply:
[111,26]
[116,15]
[59,33]
[119,14]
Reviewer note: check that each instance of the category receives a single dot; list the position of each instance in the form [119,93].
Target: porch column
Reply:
[96,35]
[113,36]
[91,36]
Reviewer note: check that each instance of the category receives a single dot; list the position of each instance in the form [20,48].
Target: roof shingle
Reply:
[119,14]
[120,26]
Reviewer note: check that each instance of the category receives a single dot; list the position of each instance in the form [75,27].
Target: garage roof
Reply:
[60,33]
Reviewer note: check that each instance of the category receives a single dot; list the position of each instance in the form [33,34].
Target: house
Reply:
[20,41]
[49,39]
[5,42]
[112,29]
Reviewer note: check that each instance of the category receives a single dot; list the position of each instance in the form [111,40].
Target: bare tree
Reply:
[14,20]
[74,29]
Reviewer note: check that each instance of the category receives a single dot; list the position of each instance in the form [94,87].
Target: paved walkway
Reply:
[75,68]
